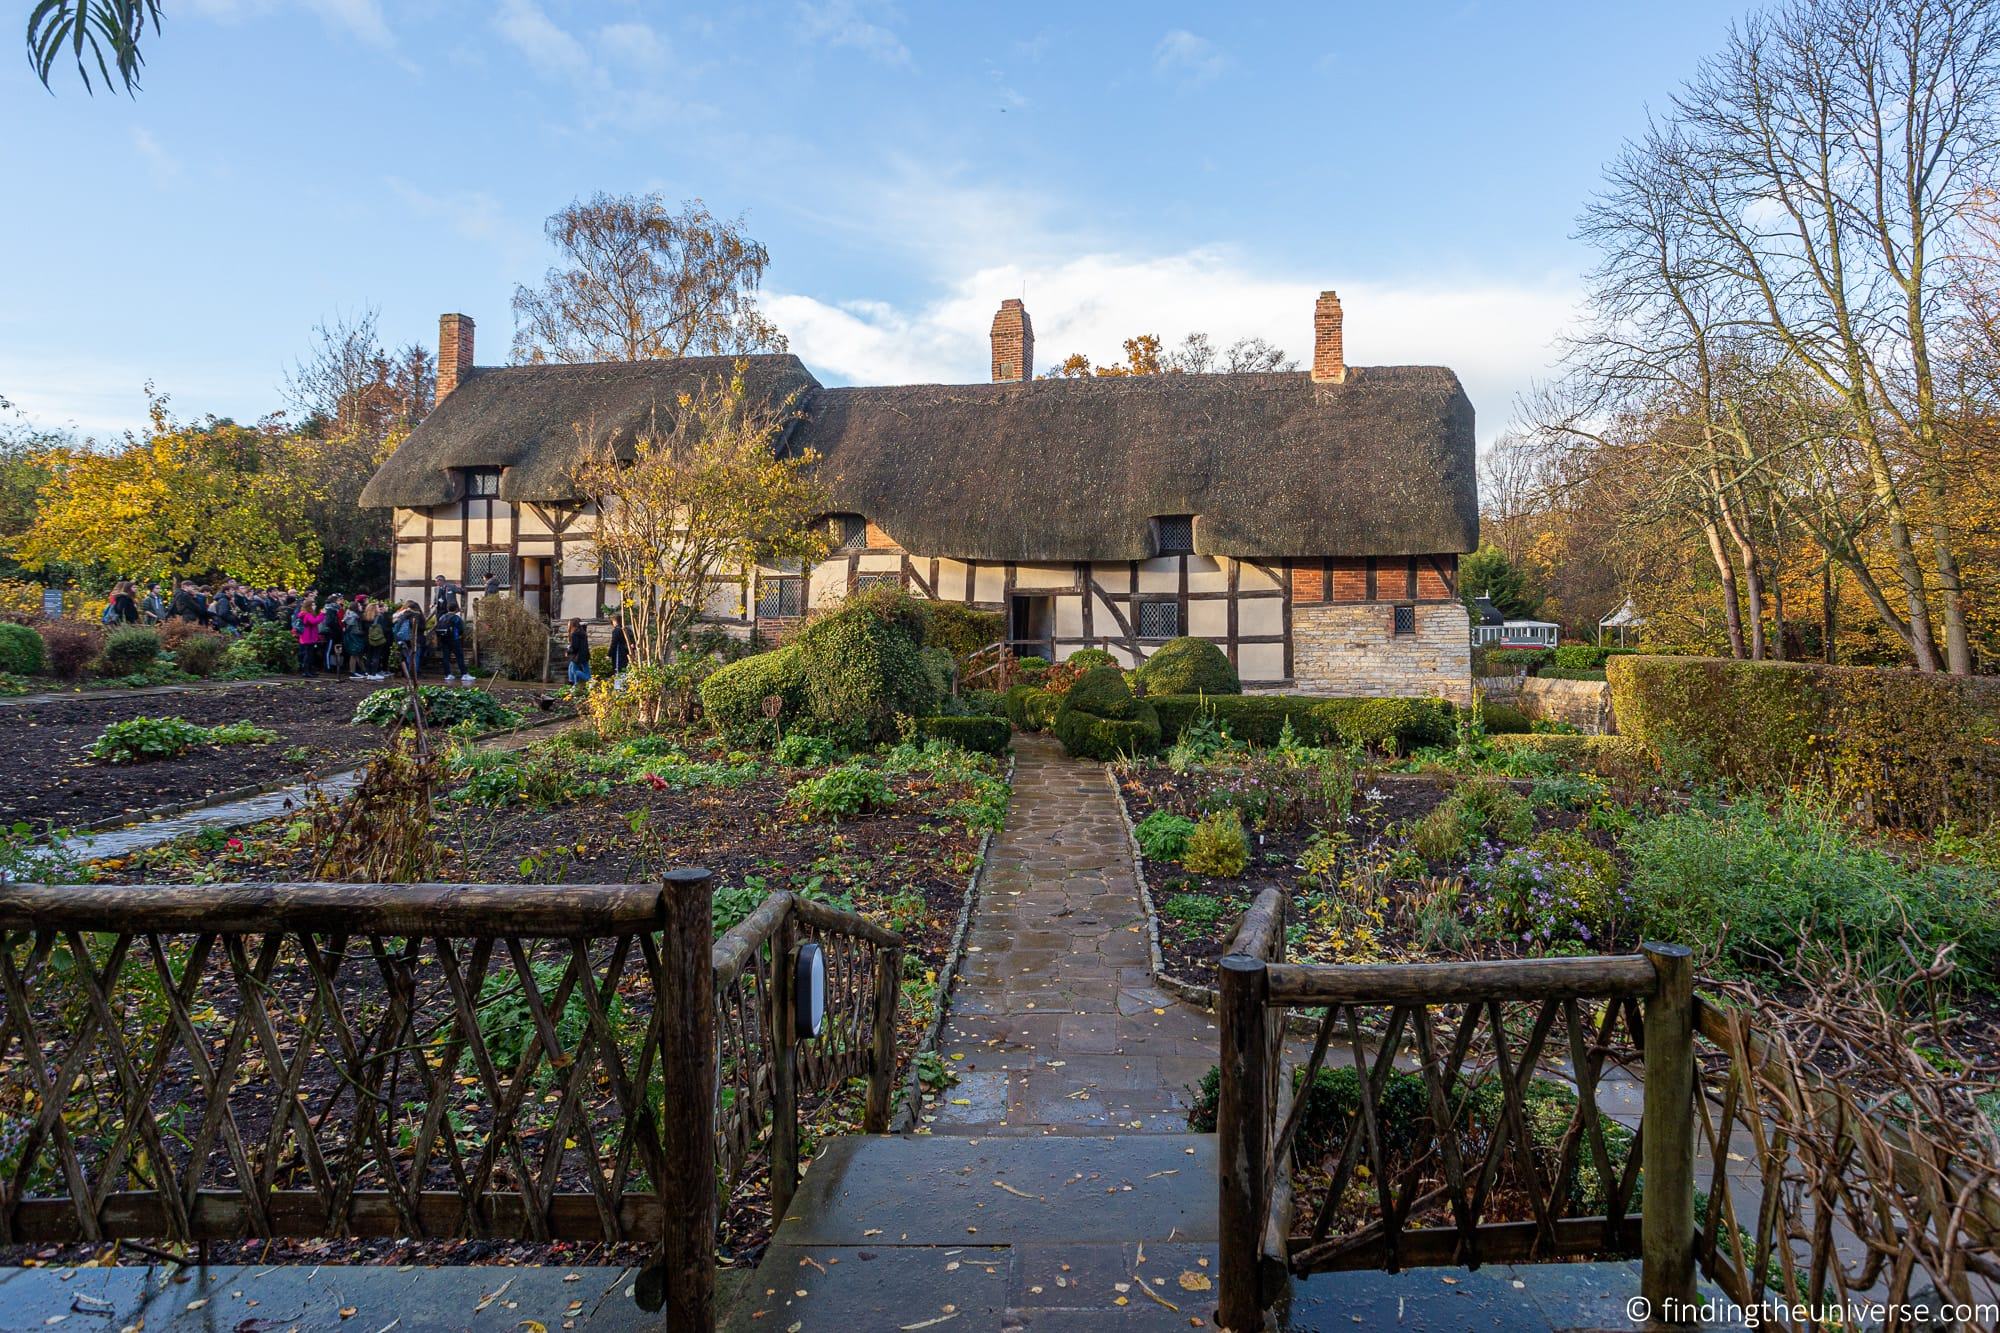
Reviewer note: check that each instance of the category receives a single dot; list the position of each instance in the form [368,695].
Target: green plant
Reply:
[1586,656]
[861,664]
[200,653]
[1556,892]
[1217,846]
[507,1022]
[734,696]
[69,647]
[1162,835]
[20,651]
[987,735]
[802,749]
[1503,719]
[1379,724]
[143,739]
[443,707]
[128,651]
[1100,719]
[1474,808]
[961,630]
[1188,666]
[1088,658]
[242,732]
[268,648]
[1031,708]
[848,790]
[1500,660]
[1194,909]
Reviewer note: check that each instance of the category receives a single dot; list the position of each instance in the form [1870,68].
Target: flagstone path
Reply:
[1056,1025]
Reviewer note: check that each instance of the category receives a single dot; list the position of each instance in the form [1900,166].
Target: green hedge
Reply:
[1518,659]
[1259,719]
[1903,748]
[1586,656]
[1031,708]
[20,651]
[985,735]
[1618,757]
[1188,666]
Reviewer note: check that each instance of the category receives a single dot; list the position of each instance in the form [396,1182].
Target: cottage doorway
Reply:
[537,584]
[1031,626]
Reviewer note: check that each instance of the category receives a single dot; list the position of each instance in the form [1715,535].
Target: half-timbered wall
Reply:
[1336,625]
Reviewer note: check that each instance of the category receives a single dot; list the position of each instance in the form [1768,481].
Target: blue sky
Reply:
[1125,168]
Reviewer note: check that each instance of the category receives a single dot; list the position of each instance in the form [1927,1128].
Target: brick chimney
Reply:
[1329,355]
[1013,343]
[454,352]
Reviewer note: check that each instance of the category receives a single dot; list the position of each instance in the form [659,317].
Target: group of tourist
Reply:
[353,634]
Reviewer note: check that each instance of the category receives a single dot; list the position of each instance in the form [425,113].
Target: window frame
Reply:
[475,576]
[847,533]
[1398,614]
[866,579]
[1139,605]
[774,584]
[482,483]
[1159,523]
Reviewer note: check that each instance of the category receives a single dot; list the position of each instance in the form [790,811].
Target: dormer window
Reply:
[1173,534]
[846,532]
[482,481]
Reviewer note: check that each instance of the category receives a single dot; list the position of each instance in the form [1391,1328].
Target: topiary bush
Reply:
[733,698]
[20,651]
[1586,656]
[511,635]
[1086,658]
[861,664]
[69,647]
[1100,719]
[129,650]
[982,735]
[1188,666]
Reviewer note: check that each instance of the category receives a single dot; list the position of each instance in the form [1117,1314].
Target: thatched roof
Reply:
[1273,464]
[525,420]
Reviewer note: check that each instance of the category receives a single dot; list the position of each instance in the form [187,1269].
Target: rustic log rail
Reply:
[194,1063]
[1505,1015]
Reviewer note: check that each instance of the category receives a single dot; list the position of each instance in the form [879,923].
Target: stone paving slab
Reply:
[1056,1026]
[352,1298]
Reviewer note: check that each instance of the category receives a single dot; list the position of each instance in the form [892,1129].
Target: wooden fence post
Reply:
[686,1000]
[1242,1132]
[784,1069]
[882,1063]
[1666,1222]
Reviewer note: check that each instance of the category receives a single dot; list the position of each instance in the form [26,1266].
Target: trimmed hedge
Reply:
[1587,656]
[862,664]
[733,698]
[1188,666]
[20,651]
[1902,748]
[985,735]
[1259,719]
[1100,719]
[1518,659]
[1031,708]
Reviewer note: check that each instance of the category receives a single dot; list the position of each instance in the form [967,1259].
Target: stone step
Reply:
[1055,1232]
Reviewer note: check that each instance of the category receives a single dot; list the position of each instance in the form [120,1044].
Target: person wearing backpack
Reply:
[579,653]
[154,607]
[451,643]
[408,632]
[121,609]
[307,624]
[354,641]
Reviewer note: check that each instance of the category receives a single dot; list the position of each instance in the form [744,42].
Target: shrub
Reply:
[734,696]
[1259,719]
[983,703]
[1162,835]
[1504,660]
[939,670]
[802,749]
[982,735]
[1905,748]
[1503,719]
[1555,892]
[1087,658]
[69,647]
[512,636]
[1217,846]
[199,653]
[1099,718]
[129,651]
[507,1024]
[851,789]
[861,664]
[1618,758]
[648,696]
[1032,668]
[1188,666]
[269,647]
[1031,708]
[443,707]
[961,630]
[1569,673]
[1585,656]
[20,651]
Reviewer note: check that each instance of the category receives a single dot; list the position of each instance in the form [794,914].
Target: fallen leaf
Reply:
[533,1326]
[1193,1281]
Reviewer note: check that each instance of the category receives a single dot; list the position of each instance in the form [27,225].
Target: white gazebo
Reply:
[1626,620]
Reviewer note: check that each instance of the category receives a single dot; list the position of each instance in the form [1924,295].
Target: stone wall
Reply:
[1354,651]
[1581,703]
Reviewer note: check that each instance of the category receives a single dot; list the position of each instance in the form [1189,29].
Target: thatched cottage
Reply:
[1308,522]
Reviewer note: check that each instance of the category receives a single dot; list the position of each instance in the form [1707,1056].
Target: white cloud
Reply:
[163,165]
[545,43]
[1188,60]
[363,18]
[636,103]
[840,23]
[1496,335]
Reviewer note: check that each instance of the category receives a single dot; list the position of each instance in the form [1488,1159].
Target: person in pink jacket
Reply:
[309,622]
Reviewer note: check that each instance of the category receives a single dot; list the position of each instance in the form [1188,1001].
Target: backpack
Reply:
[376,636]
[111,613]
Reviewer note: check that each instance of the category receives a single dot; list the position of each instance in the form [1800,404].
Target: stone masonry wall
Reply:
[1581,703]
[1353,650]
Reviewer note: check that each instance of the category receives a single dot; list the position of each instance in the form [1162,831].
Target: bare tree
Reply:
[639,281]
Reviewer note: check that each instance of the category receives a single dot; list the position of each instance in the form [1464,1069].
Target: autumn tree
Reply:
[696,499]
[1196,355]
[210,498]
[355,402]
[641,281]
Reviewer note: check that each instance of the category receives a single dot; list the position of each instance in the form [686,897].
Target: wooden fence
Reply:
[1488,1122]
[226,1061]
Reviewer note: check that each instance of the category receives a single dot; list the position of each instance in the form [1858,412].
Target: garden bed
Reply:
[54,782]
[577,810]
